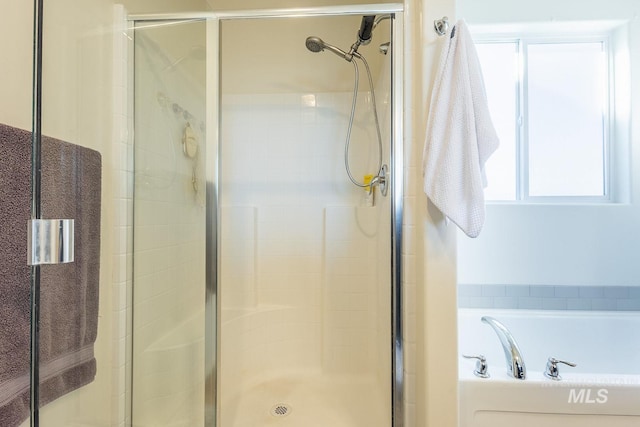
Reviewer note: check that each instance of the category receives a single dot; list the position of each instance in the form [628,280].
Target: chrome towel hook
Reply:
[441,25]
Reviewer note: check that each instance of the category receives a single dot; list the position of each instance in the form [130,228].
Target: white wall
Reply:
[16,33]
[430,255]
[246,42]
[562,244]
[164,6]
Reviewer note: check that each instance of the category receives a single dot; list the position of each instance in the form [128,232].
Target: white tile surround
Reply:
[302,288]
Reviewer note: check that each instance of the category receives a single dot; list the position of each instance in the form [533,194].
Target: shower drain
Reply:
[281,410]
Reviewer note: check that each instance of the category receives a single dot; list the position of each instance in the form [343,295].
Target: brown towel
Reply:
[71,188]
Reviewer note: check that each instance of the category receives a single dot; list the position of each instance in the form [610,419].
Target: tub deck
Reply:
[603,390]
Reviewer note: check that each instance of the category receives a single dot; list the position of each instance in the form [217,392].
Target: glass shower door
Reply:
[169,271]
[75,317]
[86,185]
[305,291]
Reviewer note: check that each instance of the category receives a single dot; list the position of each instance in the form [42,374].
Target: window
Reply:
[549,101]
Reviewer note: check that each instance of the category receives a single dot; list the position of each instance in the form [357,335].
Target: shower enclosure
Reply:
[257,260]
[233,182]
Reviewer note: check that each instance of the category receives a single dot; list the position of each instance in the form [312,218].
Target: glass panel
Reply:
[169,224]
[304,261]
[567,87]
[499,63]
[88,176]
[78,344]
[16,44]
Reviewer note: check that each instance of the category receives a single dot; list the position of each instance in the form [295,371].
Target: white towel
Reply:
[460,135]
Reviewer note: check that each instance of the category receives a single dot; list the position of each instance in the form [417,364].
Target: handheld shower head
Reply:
[316,44]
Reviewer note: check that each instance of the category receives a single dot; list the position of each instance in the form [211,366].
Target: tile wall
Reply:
[546,297]
[300,273]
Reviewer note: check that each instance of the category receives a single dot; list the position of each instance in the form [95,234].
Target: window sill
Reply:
[560,203]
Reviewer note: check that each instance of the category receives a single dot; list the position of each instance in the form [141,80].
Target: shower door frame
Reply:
[396,176]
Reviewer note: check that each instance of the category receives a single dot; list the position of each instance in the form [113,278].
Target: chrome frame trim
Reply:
[212,332]
[130,78]
[212,239]
[397,206]
[36,211]
[275,13]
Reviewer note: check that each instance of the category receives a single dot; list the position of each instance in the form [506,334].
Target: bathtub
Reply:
[602,390]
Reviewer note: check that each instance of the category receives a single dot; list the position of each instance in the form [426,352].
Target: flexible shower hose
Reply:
[353,111]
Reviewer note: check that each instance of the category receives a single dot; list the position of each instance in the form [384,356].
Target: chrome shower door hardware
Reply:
[50,241]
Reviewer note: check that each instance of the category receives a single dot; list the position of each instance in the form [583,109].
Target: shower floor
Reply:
[318,401]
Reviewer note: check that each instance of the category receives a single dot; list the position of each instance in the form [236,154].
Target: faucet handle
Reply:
[552,371]
[481,365]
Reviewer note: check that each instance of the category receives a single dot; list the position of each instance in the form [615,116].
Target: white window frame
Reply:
[522,42]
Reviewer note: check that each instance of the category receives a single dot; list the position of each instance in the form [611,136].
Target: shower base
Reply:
[310,401]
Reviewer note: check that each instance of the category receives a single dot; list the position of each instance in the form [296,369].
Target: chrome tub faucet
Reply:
[512,354]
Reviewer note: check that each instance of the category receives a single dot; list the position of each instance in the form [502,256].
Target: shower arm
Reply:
[379,19]
[359,41]
[365,34]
